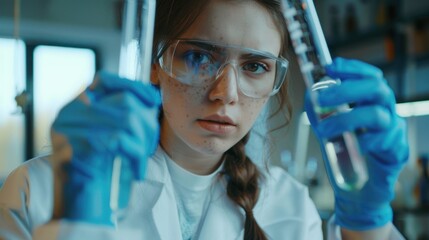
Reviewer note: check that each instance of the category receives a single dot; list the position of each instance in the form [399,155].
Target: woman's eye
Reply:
[196,59]
[255,67]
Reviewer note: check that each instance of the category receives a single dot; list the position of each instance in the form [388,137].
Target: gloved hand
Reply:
[383,140]
[114,117]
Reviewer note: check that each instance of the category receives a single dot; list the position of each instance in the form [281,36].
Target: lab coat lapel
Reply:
[165,215]
[158,214]
[224,220]
[159,205]
[145,196]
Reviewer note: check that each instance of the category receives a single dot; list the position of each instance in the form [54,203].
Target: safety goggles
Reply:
[258,74]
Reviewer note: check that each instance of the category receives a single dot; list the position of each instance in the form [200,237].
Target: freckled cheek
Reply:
[252,107]
[188,94]
[180,99]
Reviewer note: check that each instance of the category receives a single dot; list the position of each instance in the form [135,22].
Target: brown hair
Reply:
[173,17]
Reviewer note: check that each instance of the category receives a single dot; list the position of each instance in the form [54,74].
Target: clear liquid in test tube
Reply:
[344,157]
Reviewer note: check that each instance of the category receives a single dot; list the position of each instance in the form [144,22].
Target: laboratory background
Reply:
[50,50]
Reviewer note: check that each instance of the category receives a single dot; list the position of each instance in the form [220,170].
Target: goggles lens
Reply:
[197,63]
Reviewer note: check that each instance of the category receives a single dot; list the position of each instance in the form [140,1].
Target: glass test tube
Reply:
[345,160]
[138,23]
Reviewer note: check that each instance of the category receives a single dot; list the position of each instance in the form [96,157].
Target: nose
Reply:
[225,88]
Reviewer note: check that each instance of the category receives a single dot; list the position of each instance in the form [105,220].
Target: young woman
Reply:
[216,65]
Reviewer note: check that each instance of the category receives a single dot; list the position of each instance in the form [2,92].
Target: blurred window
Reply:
[12,82]
[59,74]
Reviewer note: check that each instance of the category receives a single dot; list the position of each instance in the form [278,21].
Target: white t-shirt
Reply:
[193,194]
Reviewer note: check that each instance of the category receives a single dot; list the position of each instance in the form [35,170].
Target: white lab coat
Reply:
[284,209]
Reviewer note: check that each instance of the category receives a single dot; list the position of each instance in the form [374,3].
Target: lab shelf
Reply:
[360,37]
[388,47]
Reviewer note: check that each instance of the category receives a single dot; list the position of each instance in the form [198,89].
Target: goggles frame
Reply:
[166,57]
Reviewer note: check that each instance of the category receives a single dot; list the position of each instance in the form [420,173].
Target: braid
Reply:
[243,188]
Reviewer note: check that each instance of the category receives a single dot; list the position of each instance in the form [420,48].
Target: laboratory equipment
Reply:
[135,63]
[344,157]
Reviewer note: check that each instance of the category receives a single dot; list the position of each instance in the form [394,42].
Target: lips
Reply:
[219,119]
[218,124]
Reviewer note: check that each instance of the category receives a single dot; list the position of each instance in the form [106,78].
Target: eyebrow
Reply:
[213,47]
[256,56]
[203,45]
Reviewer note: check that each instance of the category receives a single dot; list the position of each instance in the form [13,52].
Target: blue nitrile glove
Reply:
[112,117]
[381,134]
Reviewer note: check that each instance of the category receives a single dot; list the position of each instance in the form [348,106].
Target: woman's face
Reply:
[206,121]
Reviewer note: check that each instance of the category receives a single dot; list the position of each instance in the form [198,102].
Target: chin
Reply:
[213,146]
